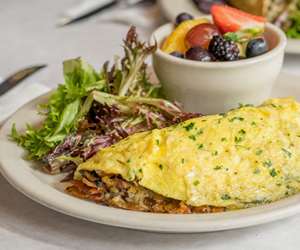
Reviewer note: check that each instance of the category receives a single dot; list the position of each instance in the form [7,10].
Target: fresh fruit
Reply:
[177,54]
[205,5]
[175,41]
[234,35]
[244,35]
[229,19]
[182,17]
[201,35]
[223,50]
[199,54]
[256,47]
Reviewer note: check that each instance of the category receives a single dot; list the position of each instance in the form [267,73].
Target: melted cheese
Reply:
[248,156]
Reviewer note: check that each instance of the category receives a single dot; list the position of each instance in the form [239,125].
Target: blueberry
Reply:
[183,17]
[205,5]
[177,54]
[199,54]
[256,47]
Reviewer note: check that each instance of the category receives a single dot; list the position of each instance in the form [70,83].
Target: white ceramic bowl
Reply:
[213,87]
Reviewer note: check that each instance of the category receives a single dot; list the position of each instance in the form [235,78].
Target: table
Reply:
[29,36]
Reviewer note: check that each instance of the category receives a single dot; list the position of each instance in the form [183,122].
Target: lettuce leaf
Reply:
[293,30]
[63,110]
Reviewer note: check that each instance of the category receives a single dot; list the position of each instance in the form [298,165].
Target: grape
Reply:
[201,35]
[199,54]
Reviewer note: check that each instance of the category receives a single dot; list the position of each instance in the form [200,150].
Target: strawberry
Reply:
[229,19]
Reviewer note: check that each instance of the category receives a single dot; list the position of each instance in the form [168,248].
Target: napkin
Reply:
[18,96]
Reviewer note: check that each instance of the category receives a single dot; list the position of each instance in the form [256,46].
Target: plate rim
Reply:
[52,198]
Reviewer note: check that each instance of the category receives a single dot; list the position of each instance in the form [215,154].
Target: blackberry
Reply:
[223,50]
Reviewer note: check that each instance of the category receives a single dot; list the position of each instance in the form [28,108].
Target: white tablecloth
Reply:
[28,36]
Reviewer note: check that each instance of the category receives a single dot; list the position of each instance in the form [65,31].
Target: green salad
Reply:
[94,109]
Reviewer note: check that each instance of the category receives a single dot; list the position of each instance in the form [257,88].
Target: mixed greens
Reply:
[63,110]
[93,110]
[291,20]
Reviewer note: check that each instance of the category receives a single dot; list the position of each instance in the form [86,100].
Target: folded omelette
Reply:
[246,157]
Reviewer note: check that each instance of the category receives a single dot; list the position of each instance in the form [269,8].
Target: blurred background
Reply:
[31,34]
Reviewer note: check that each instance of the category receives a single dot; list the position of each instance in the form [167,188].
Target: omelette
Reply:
[243,158]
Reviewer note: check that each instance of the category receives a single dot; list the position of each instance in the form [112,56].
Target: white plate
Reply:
[172,8]
[45,189]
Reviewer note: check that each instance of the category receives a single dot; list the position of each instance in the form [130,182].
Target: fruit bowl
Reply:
[213,87]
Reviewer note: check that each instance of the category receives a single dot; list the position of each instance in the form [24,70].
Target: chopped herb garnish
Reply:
[259,152]
[218,167]
[157,142]
[196,183]
[192,137]
[223,139]
[190,126]
[128,161]
[288,153]
[140,170]
[161,166]
[267,163]
[241,105]
[225,197]
[236,118]
[222,114]
[215,153]
[253,123]
[273,172]
[256,171]
[238,139]
[273,105]
[182,160]
[200,132]
[200,146]
[242,132]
